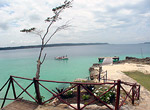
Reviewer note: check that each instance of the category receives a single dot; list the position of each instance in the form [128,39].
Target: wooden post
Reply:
[117,95]
[100,71]
[133,93]
[106,75]
[13,87]
[138,93]
[38,96]
[6,94]
[78,97]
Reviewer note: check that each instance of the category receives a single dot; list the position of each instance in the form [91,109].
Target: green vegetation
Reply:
[108,97]
[140,77]
[85,97]
[85,103]
[69,93]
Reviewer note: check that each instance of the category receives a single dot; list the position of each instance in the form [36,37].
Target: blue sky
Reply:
[111,21]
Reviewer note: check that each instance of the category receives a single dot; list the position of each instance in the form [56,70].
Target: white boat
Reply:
[61,58]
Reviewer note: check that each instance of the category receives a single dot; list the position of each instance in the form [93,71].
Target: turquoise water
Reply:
[23,62]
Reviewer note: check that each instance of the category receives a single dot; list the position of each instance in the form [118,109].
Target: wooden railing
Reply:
[103,76]
[116,85]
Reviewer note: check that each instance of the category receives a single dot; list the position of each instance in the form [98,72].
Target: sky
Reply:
[92,21]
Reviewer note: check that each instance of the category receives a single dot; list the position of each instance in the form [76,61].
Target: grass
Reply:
[143,79]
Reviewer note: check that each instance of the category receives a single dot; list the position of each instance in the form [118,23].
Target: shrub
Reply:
[108,97]
[85,103]
[69,93]
[85,97]
[90,87]
[58,91]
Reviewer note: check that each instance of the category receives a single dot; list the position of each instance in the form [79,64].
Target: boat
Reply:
[61,58]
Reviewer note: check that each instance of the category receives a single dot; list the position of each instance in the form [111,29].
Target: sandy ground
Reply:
[115,72]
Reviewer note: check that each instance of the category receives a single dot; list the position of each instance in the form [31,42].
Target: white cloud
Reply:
[125,12]
[146,14]
[118,3]
[88,18]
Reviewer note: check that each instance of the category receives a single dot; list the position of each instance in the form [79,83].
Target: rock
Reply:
[94,71]
[96,64]
[94,74]
[135,60]
[80,80]
[96,80]
[91,69]
[129,58]
[55,102]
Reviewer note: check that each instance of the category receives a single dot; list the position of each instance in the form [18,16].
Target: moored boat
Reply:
[61,58]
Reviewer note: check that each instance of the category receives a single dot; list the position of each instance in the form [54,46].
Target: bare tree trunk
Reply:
[38,69]
[38,94]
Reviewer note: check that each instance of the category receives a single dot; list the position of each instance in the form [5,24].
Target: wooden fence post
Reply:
[13,87]
[6,94]
[100,71]
[78,97]
[106,75]
[138,93]
[38,96]
[117,95]
[133,93]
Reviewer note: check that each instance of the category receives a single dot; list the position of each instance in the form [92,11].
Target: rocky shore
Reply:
[135,60]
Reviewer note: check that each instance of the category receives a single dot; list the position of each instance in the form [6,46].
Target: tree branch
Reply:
[50,37]
[65,26]
[37,33]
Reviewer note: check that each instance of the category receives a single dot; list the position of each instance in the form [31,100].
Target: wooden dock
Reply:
[21,104]
[115,58]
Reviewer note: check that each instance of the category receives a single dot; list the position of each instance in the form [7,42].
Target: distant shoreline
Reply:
[50,45]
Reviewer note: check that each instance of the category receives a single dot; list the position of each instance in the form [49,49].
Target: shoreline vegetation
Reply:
[50,45]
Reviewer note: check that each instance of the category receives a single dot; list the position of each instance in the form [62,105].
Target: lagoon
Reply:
[22,62]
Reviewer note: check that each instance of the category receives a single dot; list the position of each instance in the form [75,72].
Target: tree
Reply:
[45,38]
[51,21]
